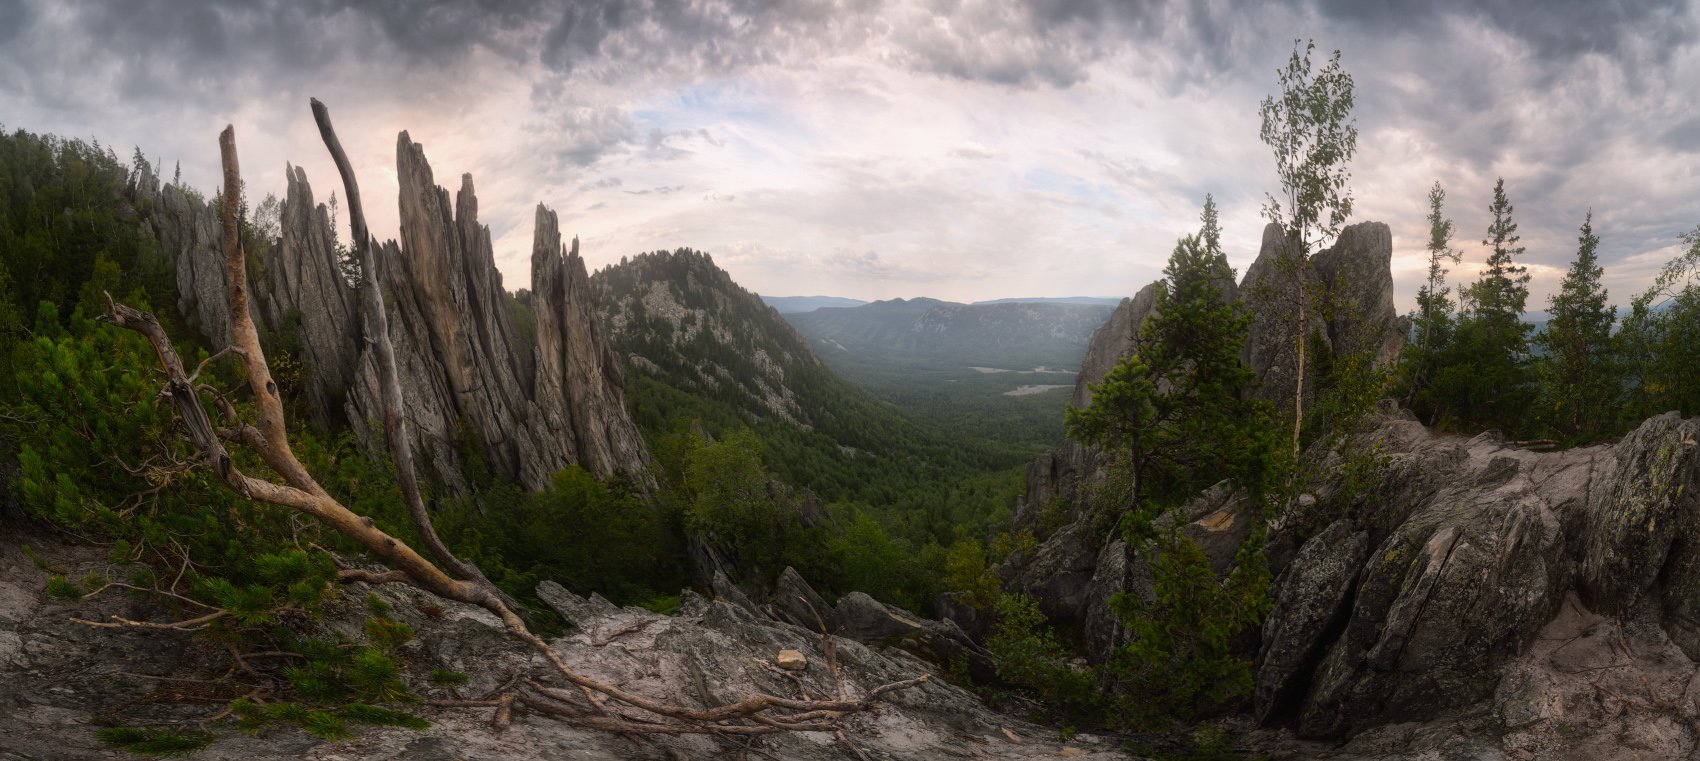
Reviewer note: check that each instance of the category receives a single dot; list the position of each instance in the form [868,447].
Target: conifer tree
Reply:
[1177,410]
[1659,335]
[1500,296]
[1432,323]
[1176,406]
[1210,231]
[1483,378]
[1576,374]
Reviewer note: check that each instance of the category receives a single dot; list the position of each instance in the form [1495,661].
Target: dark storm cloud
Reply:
[1555,30]
[1684,137]
[1043,43]
[16,16]
[1578,103]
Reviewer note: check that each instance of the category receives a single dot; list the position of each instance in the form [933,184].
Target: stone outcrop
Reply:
[192,246]
[578,374]
[1350,289]
[1473,547]
[539,397]
[860,617]
[309,298]
[56,674]
[1425,595]
[1355,312]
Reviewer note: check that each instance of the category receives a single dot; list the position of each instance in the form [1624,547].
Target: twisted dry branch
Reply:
[268,439]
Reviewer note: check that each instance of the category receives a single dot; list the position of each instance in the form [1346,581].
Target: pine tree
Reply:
[1177,406]
[1178,412]
[1432,322]
[1659,335]
[1210,231]
[1498,299]
[1576,373]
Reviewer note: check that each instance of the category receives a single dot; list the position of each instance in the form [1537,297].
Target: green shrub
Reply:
[1030,656]
[155,741]
[1179,662]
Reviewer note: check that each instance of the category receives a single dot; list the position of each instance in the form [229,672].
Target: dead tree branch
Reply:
[389,379]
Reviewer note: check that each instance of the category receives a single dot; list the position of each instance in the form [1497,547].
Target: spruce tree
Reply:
[1210,231]
[1576,373]
[1659,335]
[1502,293]
[1177,407]
[1482,379]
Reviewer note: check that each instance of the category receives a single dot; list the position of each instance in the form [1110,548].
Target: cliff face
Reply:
[578,375]
[1351,290]
[307,293]
[1353,283]
[1455,579]
[538,402]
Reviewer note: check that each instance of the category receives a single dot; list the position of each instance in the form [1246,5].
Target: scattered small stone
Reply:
[792,660]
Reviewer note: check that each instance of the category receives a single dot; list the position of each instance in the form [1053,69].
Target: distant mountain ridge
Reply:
[976,334]
[992,370]
[1109,301]
[805,304]
[798,304]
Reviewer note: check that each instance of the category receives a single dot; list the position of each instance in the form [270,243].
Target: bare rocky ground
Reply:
[57,676]
[1590,689]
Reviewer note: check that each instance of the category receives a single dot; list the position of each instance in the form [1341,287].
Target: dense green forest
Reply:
[1473,362]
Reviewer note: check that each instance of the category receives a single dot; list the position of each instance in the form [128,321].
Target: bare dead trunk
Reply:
[389,381]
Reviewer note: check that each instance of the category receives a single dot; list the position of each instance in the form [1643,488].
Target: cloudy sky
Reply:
[962,149]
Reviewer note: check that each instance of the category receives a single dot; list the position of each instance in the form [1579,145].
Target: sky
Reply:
[959,149]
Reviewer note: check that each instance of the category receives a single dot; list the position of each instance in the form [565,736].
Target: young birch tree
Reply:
[1310,130]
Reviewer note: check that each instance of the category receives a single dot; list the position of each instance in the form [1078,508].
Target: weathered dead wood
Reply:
[759,714]
[377,335]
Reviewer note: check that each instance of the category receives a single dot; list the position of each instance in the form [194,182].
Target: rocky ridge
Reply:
[1478,598]
[1356,275]
[536,384]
